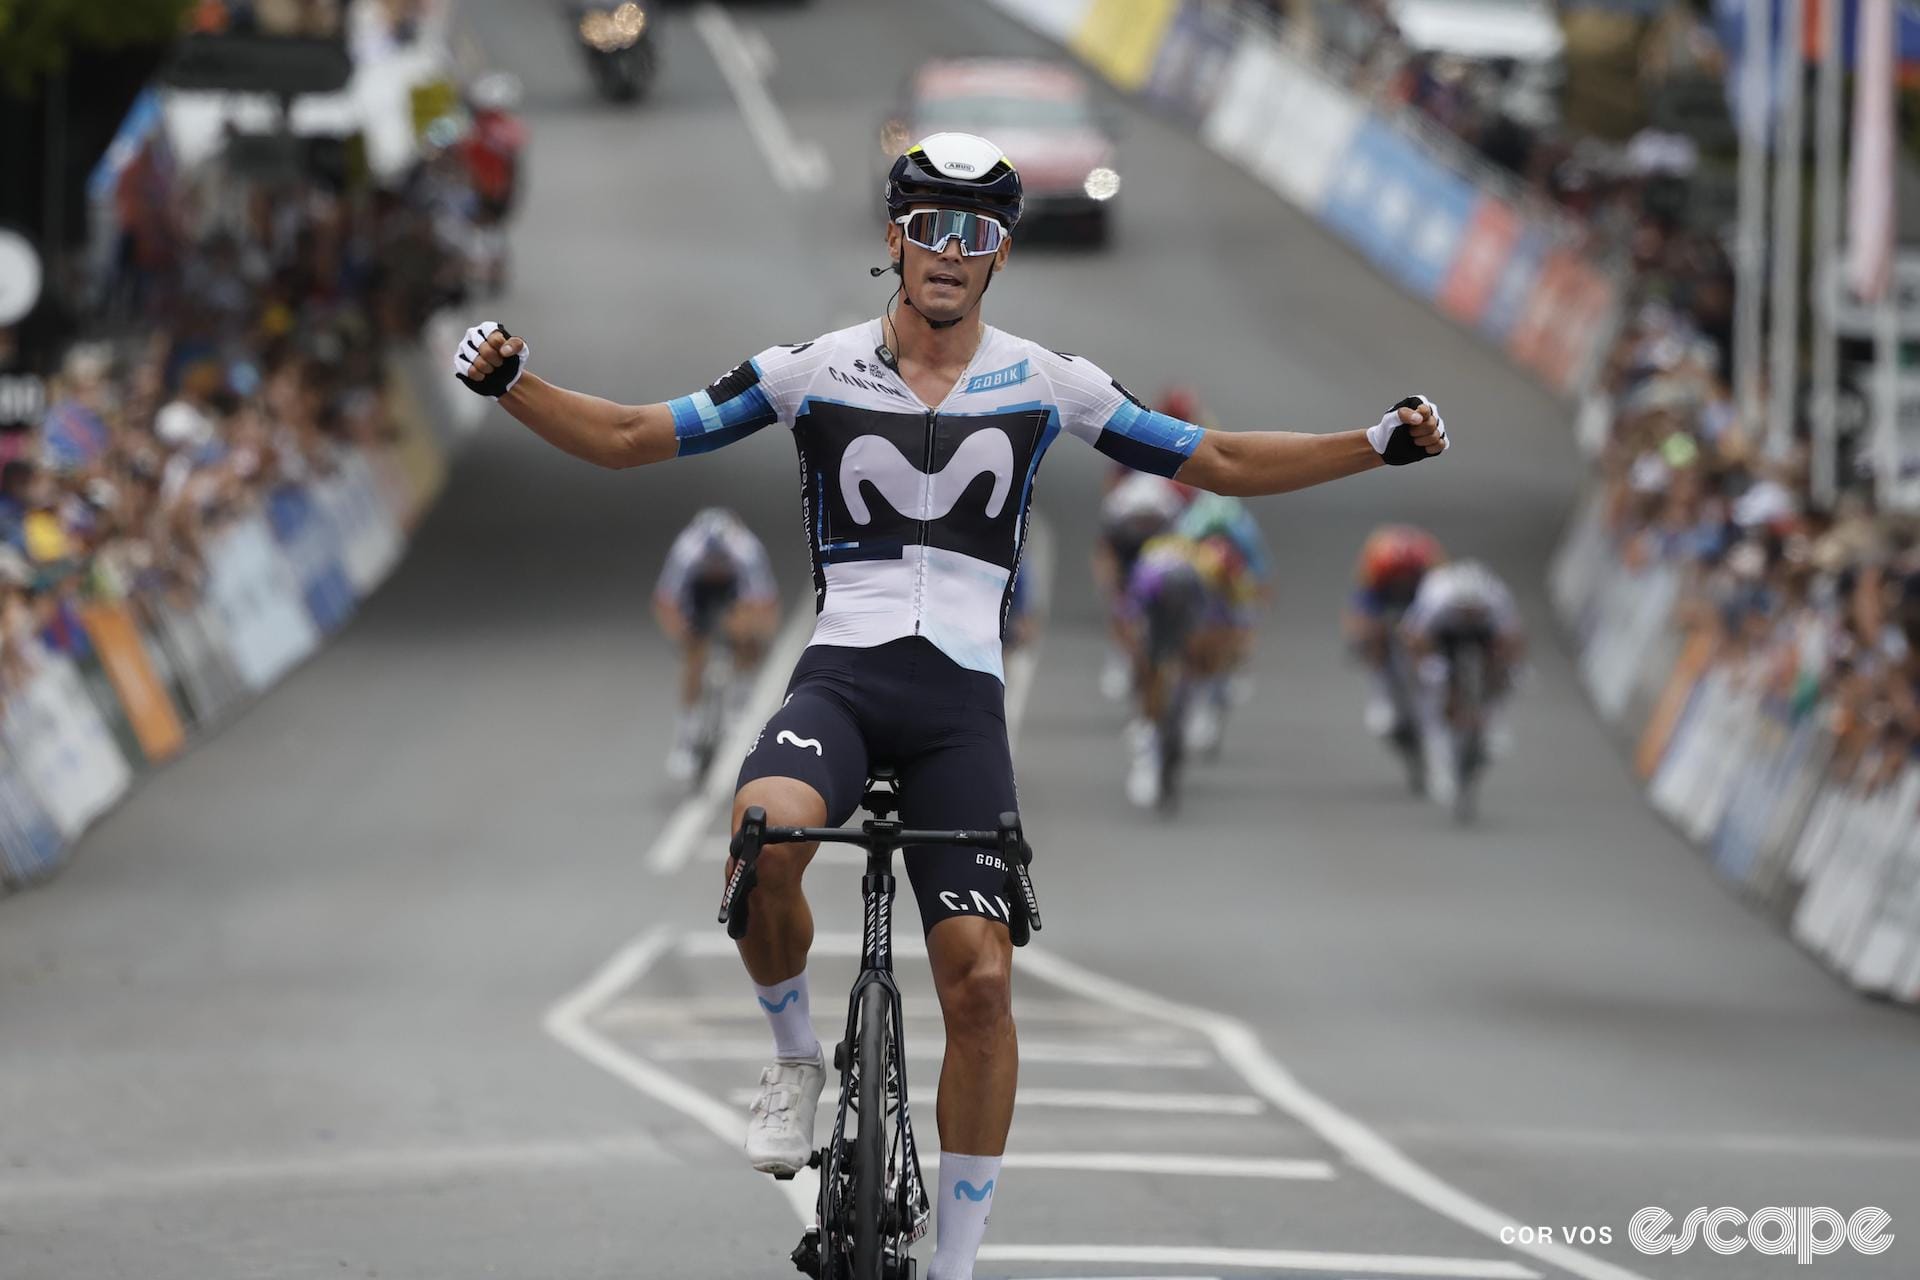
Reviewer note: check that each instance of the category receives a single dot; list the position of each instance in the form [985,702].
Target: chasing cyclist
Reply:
[716,582]
[1136,509]
[1386,576]
[1460,605]
[1235,557]
[919,434]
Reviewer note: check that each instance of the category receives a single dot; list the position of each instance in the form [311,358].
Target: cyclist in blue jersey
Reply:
[919,434]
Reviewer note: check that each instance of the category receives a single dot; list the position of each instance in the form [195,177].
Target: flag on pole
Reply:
[1869,265]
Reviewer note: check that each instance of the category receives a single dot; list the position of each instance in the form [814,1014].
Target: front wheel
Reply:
[870,1143]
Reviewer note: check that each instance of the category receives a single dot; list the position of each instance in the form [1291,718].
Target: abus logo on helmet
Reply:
[959,166]
[1806,1232]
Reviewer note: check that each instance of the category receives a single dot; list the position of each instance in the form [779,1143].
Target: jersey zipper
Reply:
[926,504]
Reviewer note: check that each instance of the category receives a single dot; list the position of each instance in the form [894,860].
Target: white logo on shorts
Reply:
[792,739]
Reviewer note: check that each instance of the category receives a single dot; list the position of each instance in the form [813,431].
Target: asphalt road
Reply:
[388,979]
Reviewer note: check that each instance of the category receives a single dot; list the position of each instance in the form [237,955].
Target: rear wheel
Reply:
[870,1142]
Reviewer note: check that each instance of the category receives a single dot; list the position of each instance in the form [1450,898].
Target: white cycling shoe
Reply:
[780,1124]
[1143,773]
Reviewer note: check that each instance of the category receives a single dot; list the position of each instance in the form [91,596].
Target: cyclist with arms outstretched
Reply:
[919,434]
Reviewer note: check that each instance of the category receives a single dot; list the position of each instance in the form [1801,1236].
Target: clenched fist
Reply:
[490,360]
[1411,431]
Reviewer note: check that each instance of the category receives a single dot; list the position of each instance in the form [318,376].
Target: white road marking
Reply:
[833,946]
[1640,1142]
[334,1168]
[1386,1264]
[1171,1166]
[679,1011]
[570,1022]
[1215,1104]
[795,165]
[933,1048]
[1193,1104]
[1236,1042]
[690,826]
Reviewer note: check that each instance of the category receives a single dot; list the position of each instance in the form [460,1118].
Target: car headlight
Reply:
[1102,184]
[609,30]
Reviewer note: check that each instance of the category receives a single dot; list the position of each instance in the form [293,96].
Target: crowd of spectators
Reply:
[1506,116]
[1820,608]
[238,343]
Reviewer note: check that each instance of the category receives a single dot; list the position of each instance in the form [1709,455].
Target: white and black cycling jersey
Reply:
[1461,597]
[916,515]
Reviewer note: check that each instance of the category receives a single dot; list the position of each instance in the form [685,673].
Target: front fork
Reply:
[909,1200]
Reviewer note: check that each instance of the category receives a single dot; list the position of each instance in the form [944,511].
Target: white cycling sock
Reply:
[966,1198]
[790,1017]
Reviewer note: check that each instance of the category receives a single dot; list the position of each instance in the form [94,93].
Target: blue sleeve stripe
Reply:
[702,426]
[1147,441]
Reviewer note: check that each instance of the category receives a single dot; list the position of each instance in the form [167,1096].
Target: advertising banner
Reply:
[1438,233]
[1513,290]
[30,844]
[1377,195]
[1193,59]
[262,616]
[193,649]
[149,710]
[1058,19]
[1121,38]
[62,748]
[312,552]
[370,542]
[1492,231]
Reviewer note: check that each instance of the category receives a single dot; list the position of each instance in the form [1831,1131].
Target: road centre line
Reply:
[795,165]
[1388,1264]
[932,1048]
[1240,1046]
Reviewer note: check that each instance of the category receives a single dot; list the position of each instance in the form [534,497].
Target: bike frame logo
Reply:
[1806,1232]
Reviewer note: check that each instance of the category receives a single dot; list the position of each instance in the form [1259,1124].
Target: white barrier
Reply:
[1287,122]
[370,542]
[1746,775]
[252,591]
[62,748]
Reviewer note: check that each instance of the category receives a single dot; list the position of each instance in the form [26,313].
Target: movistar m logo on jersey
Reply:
[1012,375]
[915,494]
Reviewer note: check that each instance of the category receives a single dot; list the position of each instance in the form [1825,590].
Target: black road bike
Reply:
[873,1203]
[1469,659]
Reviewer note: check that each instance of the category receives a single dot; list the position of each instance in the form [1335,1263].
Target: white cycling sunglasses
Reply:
[931,229]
